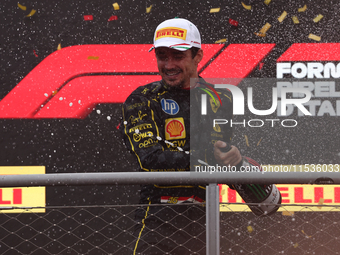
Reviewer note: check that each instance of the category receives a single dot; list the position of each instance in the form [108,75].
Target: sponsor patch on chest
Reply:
[170,106]
[174,129]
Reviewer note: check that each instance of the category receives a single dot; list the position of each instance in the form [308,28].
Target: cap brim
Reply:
[178,46]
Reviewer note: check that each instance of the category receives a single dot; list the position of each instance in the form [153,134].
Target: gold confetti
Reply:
[115,6]
[22,7]
[250,229]
[259,142]
[248,7]
[321,200]
[93,57]
[59,47]
[148,9]
[305,234]
[213,10]
[246,137]
[296,245]
[221,41]
[260,34]
[282,17]
[318,18]
[267,2]
[31,13]
[302,9]
[54,93]
[222,191]
[295,20]
[286,213]
[314,37]
[263,30]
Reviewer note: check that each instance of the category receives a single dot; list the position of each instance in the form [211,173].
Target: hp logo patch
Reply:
[170,106]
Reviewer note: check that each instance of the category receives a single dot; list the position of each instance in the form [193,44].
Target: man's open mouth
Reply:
[172,73]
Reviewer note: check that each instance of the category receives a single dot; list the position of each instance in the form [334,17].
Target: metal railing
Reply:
[210,179]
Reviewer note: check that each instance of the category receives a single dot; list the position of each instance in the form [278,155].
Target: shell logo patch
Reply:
[174,129]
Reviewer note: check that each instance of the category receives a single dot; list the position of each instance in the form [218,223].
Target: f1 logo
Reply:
[70,82]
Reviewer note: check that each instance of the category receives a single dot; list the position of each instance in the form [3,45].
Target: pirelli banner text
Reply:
[319,198]
[22,199]
[299,197]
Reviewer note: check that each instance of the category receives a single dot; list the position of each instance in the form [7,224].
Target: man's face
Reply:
[177,67]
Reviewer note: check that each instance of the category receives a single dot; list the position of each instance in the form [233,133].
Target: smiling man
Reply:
[177,67]
[178,51]
[156,128]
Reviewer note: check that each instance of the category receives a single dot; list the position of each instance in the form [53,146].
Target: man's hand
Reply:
[232,157]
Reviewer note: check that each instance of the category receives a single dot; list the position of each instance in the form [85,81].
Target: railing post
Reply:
[213,219]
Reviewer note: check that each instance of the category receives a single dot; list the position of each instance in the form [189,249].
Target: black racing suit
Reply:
[156,127]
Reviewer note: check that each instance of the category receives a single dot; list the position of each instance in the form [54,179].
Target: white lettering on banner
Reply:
[318,89]
[309,70]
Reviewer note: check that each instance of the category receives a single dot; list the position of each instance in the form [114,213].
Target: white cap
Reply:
[178,34]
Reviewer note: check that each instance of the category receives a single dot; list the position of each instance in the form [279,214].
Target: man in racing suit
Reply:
[156,128]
